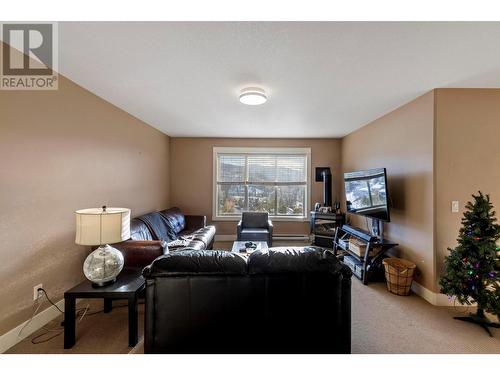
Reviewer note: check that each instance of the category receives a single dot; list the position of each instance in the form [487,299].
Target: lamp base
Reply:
[103,265]
[102,284]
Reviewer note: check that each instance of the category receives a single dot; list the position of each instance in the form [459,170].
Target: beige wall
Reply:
[402,142]
[467,157]
[68,149]
[60,151]
[191,185]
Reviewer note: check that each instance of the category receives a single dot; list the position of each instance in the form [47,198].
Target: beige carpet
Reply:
[100,333]
[381,323]
[385,323]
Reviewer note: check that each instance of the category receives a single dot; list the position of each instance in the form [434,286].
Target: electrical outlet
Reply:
[454,206]
[37,294]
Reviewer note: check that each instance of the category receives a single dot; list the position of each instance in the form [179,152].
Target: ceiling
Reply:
[324,79]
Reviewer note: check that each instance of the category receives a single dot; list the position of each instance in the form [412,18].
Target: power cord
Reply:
[48,299]
[58,329]
[33,313]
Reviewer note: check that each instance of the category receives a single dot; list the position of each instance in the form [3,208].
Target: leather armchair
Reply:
[255,226]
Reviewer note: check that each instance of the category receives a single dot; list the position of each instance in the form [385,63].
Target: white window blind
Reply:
[261,180]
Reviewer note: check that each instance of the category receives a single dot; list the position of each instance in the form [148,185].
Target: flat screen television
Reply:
[366,193]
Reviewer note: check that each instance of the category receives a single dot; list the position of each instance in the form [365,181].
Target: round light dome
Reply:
[253,96]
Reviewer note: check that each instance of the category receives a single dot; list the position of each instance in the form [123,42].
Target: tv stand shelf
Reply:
[367,262]
[323,227]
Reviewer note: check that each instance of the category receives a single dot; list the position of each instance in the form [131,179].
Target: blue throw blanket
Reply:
[159,226]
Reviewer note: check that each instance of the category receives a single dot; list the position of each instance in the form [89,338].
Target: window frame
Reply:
[302,151]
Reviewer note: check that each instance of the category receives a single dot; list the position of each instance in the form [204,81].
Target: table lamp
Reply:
[102,226]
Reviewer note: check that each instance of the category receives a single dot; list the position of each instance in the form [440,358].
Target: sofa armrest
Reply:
[270,228]
[238,229]
[270,225]
[141,253]
[195,221]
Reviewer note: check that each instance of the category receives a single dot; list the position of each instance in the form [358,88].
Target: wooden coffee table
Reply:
[237,245]
[128,285]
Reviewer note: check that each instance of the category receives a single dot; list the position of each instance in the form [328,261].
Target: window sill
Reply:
[272,218]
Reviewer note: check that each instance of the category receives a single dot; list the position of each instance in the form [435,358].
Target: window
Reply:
[261,179]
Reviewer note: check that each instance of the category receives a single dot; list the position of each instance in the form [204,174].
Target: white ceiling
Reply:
[324,79]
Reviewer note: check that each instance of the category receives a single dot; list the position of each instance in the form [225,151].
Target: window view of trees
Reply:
[231,199]
[262,198]
[273,183]
[290,200]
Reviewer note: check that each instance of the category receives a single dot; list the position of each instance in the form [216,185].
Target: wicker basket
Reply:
[359,248]
[399,275]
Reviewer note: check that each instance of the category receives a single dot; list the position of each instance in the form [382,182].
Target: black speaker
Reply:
[325,175]
[319,173]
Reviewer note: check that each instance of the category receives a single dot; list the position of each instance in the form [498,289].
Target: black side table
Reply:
[128,285]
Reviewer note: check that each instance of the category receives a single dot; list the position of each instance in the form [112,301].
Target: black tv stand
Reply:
[323,226]
[368,262]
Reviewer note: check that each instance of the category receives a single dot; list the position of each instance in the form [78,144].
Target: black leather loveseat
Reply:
[295,300]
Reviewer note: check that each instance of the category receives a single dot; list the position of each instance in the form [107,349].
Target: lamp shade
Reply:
[99,226]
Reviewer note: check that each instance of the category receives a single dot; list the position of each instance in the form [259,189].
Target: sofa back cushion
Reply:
[195,262]
[254,219]
[278,260]
[139,231]
[176,219]
[159,226]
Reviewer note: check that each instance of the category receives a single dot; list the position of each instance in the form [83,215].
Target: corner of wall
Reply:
[434,188]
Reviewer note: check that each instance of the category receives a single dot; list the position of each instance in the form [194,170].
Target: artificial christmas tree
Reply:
[471,269]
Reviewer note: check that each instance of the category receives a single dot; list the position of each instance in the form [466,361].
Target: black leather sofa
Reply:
[295,300]
[151,233]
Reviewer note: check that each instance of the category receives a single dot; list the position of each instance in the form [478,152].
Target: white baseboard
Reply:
[437,299]
[423,292]
[225,237]
[11,338]
[278,237]
[291,237]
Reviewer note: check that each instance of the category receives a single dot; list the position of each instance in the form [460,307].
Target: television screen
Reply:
[366,193]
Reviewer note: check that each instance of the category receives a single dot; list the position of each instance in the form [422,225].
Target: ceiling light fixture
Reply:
[253,96]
